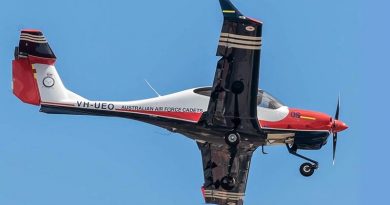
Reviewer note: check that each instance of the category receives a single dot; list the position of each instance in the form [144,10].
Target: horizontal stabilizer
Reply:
[34,45]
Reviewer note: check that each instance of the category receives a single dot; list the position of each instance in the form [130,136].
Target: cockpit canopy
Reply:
[264,99]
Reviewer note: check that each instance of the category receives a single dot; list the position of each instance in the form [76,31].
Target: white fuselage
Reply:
[185,105]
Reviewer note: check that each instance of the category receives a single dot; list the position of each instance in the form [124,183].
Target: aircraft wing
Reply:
[233,98]
[216,159]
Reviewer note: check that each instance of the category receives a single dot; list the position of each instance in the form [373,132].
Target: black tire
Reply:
[228,183]
[232,138]
[307,169]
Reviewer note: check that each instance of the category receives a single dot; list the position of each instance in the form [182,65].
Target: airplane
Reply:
[228,120]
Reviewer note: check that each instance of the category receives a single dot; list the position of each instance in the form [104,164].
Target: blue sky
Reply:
[312,50]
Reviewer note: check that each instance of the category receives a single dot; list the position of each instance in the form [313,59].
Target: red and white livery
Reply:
[228,120]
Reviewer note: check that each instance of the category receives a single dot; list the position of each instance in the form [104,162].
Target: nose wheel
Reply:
[306,169]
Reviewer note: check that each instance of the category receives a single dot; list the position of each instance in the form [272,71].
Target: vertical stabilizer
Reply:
[34,77]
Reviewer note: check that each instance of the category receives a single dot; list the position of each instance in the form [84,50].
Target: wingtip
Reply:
[228,9]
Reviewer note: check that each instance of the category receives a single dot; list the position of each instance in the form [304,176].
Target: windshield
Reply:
[265,100]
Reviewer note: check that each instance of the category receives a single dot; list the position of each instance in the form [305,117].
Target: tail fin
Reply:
[34,76]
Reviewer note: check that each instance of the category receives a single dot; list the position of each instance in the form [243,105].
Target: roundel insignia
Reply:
[48,82]
[250,28]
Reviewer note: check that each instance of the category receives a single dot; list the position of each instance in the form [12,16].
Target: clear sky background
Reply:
[312,50]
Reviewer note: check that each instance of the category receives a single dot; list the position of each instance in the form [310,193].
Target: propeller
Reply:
[336,117]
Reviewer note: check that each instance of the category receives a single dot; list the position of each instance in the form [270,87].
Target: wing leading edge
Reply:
[233,101]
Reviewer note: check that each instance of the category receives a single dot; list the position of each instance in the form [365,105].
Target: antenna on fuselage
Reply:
[152,88]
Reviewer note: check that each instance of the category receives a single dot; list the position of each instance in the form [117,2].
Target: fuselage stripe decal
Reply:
[307,118]
[185,116]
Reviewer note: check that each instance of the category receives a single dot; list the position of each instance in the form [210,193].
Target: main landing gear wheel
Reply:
[228,183]
[232,138]
[307,169]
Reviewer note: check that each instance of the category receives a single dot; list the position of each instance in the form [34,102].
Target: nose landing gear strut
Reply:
[306,169]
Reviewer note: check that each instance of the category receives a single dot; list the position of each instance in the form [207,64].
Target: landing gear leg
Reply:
[262,150]
[232,139]
[306,169]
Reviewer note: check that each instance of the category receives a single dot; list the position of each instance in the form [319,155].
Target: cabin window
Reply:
[264,99]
